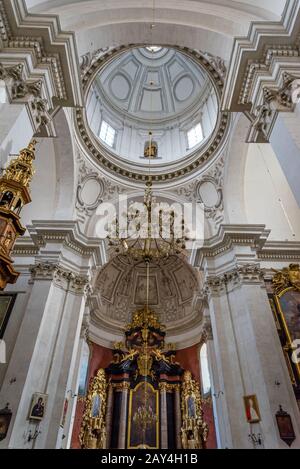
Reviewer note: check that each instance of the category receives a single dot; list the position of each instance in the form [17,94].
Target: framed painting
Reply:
[288,304]
[38,406]
[252,409]
[143,422]
[7,301]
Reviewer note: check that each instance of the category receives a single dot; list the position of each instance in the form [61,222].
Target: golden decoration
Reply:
[14,194]
[93,430]
[145,318]
[144,362]
[287,278]
[21,169]
[194,431]
[151,150]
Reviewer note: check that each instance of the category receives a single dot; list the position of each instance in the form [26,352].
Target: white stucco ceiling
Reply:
[209,25]
[147,85]
[165,93]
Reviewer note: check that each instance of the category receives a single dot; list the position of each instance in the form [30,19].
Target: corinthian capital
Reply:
[43,271]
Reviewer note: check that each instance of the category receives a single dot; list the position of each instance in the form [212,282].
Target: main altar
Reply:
[144,399]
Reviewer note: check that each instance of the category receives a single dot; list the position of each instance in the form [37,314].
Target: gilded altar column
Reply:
[164,415]
[123,415]
[178,418]
[109,414]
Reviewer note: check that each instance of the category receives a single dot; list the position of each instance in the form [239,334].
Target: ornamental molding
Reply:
[42,271]
[228,236]
[112,164]
[107,190]
[192,192]
[264,73]
[62,278]
[242,274]
[67,234]
[35,75]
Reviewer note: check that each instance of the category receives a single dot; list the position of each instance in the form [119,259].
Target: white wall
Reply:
[269,199]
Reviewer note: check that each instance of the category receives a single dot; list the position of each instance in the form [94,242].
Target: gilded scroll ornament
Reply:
[287,278]
[194,431]
[93,431]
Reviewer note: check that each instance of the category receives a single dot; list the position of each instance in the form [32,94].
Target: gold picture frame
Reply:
[154,392]
[38,406]
[289,345]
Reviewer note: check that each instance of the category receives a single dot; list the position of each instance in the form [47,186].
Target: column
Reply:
[163,416]
[249,359]
[47,343]
[178,417]
[123,416]
[109,415]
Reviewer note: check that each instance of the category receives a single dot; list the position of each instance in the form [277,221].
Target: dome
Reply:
[152,105]
[120,290]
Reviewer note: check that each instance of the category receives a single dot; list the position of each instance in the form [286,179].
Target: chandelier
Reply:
[150,233]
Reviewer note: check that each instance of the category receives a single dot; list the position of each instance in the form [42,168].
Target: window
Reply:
[195,136]
[206,383]
[154,49]
[107,134]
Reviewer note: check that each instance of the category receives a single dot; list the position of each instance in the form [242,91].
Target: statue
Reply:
[151,150]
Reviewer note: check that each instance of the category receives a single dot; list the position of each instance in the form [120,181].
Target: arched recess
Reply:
[53,185]
[208,25]
[256,190]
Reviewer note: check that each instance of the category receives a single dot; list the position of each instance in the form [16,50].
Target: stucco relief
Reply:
[121,288]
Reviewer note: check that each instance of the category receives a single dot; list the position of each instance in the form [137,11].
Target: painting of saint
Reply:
[252,409]
[38,406]
[290,306]
[96,406]
[191,407]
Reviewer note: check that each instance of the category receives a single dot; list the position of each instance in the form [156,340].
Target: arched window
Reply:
[205,375]
[83,373]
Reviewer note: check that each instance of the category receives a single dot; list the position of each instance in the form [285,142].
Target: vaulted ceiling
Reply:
[209,25]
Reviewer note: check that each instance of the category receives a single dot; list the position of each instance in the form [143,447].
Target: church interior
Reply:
[150,224]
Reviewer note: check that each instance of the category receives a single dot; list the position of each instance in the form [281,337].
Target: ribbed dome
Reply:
[152,85]
[152,89]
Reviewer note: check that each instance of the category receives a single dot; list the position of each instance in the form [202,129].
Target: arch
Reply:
[208,25]
[53,186]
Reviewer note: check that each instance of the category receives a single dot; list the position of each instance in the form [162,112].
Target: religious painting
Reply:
[285,427]
[38,406]
[143,424]
[64,413]
[96,406]
[141,291]
[7,302]
[191,407]
[290,307]
[252,409]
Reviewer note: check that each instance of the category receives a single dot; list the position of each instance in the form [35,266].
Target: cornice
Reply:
[65,233]
[40,37]
[254,236]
